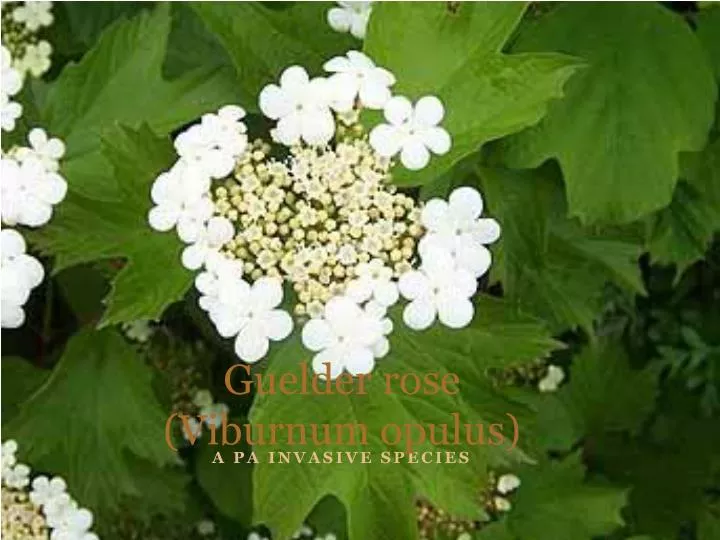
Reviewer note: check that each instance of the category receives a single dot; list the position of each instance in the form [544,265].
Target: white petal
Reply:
[12,242]
[228,320]
[434,215]
[486,231]
[219,231]
[52,189]
[193,256]
[332,356]
[359,290]
[474,257]
[429,111]
[317,335]
[163,218]
[466,203]
[288,129]
[31,269]
[278,324]
[338,63]
[385,140]
[386,292]
[339,19]
[414,154]
[374,95]
[419,314]
[414,284]
[359,361]
[318,127]
[274,102]
[294,79]
[454,311]
[381,348]
[251,343]
[398,110]
[437,140]
[266,293]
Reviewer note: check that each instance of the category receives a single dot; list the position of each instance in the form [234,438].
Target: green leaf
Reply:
[262,40]
[228,486]
[119,81]
[85,230]
[94,416]
[708,31]
[454,52]
[555,501]
[682,232]
[379,499]
[548,264]
[20,379]
[605,393]
[618,132]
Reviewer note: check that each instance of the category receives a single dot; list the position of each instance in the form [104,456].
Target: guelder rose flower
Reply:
[34,15]
[356,76]
[251,313]
[374,281]
[46,150]
[216,143]
[36,60]
[350,17]
[10,111]
[218,270]
[344,338]
[552,379]
[456,225]
[181,200]
[20,273]
[412,131]
[214,234]
[11,77]
[300,106]
[438,289]
[507,483]
[45,490]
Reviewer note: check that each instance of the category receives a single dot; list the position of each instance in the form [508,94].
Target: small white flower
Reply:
[10,111]
[181,200]
[300,106]
[205,527]
[17,477]
[140,330]
[217,232]
[8,450]
[36,60]
[438,289]
[412,131]
[75,524]
[251,313]
[195,428]
[356,76]
[551,382]
[350,17]
[502,504]
[507,483]
[219,270]
[374,281]
[20,273]
[34,15]
[47,151]
[214,413]
[344,338]
[216,143]
[45,490]
[11,78]
[456,225]
[203,398]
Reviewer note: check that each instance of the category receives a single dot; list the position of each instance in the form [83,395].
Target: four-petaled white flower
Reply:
[46,150]
[181,199]
[456,225]
[34,15]
[36,59]
[10,111]
[438,289]
[374,281]
[412,131]
[17,477]
[251,313]
[20,274]
[216,142]
[355,76]
[350,17]
[343,338]
[215,233]
[45,490]
[301,107]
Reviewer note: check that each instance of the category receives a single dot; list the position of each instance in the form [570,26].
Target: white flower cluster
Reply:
[45,510]
[350,17]
[552,379]
[22,52]
[506,485]
[325,219]
[207,407]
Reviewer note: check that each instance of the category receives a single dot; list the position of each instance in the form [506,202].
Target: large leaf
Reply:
[454,52]
[262,40]
[683,231]
[708,30]
[379,498]
[555,502]
[547,263]
[120,81]
[20,378]
[96,407]
[644,99]
[85,230]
